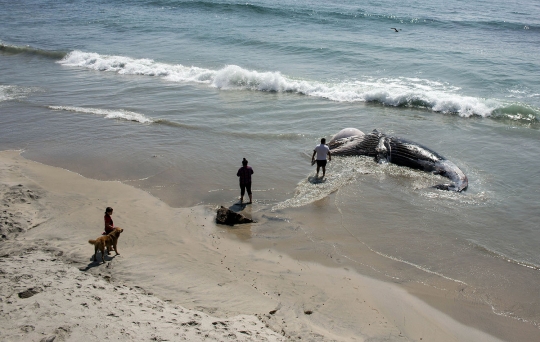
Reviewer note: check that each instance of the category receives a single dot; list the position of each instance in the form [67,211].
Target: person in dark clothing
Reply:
[109,226]
[245,173]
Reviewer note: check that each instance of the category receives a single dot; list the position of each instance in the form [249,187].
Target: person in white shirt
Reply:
[321,151]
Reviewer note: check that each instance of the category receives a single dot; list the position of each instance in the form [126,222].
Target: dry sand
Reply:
[179,276]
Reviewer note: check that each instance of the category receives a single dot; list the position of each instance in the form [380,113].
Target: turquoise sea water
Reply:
[169,96]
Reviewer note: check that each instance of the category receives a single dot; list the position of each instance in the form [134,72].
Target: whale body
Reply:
[399,151]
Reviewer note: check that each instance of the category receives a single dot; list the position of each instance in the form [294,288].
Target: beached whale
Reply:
[399,151]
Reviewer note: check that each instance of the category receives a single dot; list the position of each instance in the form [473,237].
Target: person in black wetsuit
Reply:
[245,173]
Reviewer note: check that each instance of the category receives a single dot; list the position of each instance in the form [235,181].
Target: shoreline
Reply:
[182,257]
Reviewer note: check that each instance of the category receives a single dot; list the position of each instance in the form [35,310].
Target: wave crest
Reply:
[397,92]
[107,113]
[15,50]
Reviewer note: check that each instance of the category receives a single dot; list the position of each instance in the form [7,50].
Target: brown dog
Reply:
[109,240]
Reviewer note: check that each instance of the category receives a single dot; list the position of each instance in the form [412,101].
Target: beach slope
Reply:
[179,276]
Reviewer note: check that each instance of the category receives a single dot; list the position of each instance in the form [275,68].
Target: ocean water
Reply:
[169,96]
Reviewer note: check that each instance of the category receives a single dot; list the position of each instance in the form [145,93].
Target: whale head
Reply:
[345,141]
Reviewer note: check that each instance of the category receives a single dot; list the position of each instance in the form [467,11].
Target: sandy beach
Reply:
[150,107]
[179,276]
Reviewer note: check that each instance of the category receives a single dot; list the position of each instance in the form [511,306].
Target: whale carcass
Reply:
[399,151]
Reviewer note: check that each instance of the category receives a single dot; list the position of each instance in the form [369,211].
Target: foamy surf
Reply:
[342,171]
[398,92]
[9,92]
[118,114]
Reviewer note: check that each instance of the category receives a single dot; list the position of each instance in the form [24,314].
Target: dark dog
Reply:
[110,241]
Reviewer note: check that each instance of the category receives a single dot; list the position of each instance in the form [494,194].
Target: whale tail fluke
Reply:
[448,169]
[452,187]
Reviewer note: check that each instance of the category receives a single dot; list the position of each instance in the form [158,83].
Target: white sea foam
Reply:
[4,96]
[108,113]
[9,92]
[407,92]
[343,171]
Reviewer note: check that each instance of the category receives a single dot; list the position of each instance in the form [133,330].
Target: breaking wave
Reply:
[15,50]
[118,114]
[398,92]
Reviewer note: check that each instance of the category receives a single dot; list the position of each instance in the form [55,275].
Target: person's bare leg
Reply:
[250,199]
[318,168]
[323,171]
[242,191]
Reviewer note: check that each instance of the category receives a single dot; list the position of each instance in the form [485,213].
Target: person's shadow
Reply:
[237,207]
[97,262]
[316,180]
[242,231]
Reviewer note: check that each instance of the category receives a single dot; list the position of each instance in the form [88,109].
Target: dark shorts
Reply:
[244,187]
[321,162]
